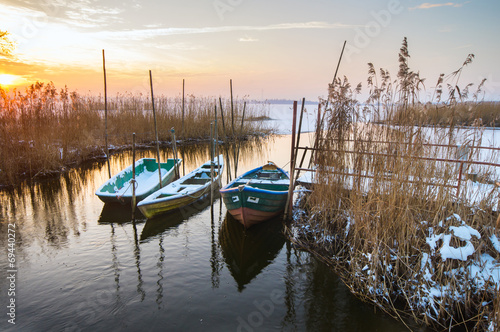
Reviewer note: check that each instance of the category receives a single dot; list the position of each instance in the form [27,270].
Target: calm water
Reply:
[83,266]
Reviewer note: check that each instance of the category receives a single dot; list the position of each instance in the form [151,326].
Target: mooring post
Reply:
[226,148]
[298,133]
[217,151]
[105,113]
[183,133]
[239,141]
[316,139]
[289,201]
[212,157]
[156,128]
[174,148]
[134,199]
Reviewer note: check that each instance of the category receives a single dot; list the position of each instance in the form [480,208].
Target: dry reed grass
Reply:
[375,206]
[44,131]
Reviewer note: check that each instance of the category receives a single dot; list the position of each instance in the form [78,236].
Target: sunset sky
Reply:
[270,49]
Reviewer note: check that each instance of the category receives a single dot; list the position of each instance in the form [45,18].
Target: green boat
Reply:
[184,191]
[257,195]
[119,187]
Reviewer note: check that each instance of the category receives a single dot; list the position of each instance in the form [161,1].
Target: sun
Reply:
[7,79]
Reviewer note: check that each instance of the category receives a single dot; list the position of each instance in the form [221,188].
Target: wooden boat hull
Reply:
[118,189]
[184,191]
[251,199]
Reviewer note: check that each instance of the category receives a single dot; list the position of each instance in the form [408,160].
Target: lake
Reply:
[81,265]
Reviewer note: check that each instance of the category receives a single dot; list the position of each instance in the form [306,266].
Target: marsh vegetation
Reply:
[387,209]
[45,130]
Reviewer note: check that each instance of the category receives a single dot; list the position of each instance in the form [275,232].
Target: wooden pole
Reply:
[222,117]
[217,152]
[228,162]
[106,113]
[233,143]
[232,106]
[338,63]
[156,128]
[298,134]
[183,99]
[212,157]
[134,199]
[318,133]
[289,200]
[174,148]
[239,141]
[183,133]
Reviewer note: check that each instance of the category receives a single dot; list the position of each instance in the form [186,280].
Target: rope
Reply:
[131,182]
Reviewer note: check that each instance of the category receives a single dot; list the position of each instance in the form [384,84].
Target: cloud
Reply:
[248,39]
[140,34]
[427,5]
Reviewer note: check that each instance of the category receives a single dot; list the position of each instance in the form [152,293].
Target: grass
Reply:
[45,130]
[381,198]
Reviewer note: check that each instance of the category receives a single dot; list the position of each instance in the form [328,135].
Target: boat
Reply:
[257,195]
[119,187]
[186,190]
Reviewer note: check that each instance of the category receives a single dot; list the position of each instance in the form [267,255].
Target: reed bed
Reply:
[45,130]
[385,212]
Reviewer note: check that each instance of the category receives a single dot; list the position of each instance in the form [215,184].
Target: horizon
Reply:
[278,50]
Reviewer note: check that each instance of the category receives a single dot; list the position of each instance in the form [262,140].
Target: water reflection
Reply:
[85,266]
[248,252]
[120,214]
[162,223]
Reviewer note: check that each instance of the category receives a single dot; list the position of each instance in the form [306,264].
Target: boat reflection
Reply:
[248,252]
[172,219]
[119,214]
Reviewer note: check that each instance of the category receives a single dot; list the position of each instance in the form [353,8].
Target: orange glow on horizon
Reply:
[8,79]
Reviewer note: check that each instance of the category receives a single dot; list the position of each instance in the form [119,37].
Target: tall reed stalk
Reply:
[380,195]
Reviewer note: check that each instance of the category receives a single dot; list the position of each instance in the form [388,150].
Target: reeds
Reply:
[385,203]
[43,130]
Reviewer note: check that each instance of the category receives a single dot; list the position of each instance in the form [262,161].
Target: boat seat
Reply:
[269,175]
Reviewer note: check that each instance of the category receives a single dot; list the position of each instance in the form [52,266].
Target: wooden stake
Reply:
[182,129]
[134,199]
[298,134]
[239,142]
[233,143]
[217,152]
[318,133]
[289,200]
[228,162]
[174,148]
[212,157]
[232,108]
[183,132]
[222,117]
[156,128]
[106,113]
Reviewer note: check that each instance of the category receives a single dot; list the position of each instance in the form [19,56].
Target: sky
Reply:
[270,49]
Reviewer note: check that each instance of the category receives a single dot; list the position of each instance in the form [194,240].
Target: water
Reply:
[83,266]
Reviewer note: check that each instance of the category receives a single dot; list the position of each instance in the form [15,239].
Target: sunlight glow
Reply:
[7,79]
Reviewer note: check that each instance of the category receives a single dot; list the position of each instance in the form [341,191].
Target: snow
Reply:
[495,242]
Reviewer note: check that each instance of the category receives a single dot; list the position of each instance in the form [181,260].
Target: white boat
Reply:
[186,190]
[119,187]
